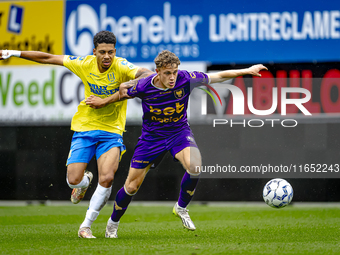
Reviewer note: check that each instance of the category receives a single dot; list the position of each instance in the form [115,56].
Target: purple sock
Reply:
[121,204]
[188,186]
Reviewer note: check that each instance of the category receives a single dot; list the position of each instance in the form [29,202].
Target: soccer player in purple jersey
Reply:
[165,96]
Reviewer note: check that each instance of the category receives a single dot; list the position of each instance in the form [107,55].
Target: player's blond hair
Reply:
[166,58]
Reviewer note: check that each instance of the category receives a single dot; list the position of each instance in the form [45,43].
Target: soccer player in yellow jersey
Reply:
[97,131]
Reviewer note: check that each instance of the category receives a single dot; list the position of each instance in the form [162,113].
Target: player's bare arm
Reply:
[142,73]
[36,56]
[123,89]
[97,102]
[229,74]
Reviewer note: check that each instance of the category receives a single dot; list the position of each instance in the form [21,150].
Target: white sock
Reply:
[97,202]
[113,222]
[83,184]
[180,206]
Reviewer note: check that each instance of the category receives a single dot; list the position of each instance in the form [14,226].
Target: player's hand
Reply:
[1,58]
[123,89]
[95,102]
[255,69]
[5,54]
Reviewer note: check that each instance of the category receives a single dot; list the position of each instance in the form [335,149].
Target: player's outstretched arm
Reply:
[97,102]
[36,56]
[229,74]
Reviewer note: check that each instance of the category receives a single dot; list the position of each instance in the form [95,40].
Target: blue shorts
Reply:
[85,145]
[147,152]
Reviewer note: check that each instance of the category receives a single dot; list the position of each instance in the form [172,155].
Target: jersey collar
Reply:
[157,87]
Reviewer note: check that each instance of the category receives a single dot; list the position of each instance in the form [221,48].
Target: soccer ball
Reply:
[277,193]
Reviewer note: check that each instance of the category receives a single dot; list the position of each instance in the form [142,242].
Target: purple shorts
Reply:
[152,151]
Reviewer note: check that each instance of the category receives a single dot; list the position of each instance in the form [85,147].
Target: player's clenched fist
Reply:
[4,54]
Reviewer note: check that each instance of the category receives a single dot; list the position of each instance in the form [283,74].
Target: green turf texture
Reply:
[154,230]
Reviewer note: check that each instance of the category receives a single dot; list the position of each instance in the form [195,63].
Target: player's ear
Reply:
[157,71]
[94,51]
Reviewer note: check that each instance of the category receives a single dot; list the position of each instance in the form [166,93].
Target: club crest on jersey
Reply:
[111,77]
[179,93]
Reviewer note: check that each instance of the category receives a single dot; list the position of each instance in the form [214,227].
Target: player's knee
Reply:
[194,169]
[75,173]
[131,188]
[73,180]
[106,180]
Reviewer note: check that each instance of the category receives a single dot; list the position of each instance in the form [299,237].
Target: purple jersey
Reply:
[165,110]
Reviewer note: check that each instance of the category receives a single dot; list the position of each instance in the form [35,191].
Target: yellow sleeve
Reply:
[74,64]
[127,69]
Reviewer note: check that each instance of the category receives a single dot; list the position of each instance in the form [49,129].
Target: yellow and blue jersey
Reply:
[112,117]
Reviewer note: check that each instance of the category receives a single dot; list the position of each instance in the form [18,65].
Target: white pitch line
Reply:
[165,203]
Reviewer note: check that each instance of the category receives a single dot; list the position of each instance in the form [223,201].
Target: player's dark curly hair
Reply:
[166,58]
[104,37]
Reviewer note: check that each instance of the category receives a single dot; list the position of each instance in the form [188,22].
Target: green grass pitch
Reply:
[154,230]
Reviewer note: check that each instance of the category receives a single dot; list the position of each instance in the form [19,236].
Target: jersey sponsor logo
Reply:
[166,120]
[15,19]
[111,77]
[101,90]
[179,93]
[168,112]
